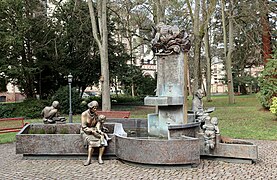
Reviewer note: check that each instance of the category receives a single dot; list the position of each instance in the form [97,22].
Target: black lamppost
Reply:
[69,78]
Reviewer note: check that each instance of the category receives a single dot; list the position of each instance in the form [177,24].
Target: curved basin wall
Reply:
[158,151]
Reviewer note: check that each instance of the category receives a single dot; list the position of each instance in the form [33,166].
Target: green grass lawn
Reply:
[245,119]
[7,137]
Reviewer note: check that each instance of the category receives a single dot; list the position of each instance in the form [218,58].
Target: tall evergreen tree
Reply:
[24,33]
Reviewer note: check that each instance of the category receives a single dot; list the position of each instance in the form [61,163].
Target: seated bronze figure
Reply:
[92,132]
[51,115]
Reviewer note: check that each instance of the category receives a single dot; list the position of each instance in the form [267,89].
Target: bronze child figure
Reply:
[102,130]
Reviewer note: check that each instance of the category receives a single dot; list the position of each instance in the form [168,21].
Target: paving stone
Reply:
[14,167]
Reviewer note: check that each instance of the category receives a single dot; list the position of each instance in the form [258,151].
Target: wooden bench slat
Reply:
[6,129]
[12,119]
[12,130]
[11,124]
[115,114]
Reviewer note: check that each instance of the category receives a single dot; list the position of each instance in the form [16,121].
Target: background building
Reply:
[12,95]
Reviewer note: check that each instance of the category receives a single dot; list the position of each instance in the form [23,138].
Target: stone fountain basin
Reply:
[185,144]
[49,140]
[40,139]
[59,139]
[151,150]
[235,149]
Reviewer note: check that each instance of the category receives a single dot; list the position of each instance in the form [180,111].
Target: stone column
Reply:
[169,46]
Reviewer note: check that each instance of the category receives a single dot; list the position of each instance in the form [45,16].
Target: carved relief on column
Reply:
[169,40]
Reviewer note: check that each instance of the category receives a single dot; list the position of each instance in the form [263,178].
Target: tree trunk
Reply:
[130,42]
[197,48]
[229,57]
[228,60]
[106,103]
[185,106]
[198,31]
[266,38]
[160,11]
[207,52]
[102,42]
[208,59]
[224,28]
[196,64]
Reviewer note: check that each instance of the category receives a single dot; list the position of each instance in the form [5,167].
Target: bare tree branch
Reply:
[93,23]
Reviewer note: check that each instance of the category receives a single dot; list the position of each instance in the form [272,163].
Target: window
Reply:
[2,98]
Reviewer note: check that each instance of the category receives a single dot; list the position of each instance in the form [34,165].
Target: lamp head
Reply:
[69,78]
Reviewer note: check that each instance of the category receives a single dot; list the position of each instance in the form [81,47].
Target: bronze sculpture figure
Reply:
[197,104]
[198,108]
[51,115]
[92,132]
[209,134]
[101,129]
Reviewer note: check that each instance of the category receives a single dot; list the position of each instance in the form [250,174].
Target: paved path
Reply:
[12,166]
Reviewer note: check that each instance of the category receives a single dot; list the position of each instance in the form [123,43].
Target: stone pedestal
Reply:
[170,95]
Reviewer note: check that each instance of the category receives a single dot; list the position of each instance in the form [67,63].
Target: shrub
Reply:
[268,83]
[121,99]
[62,95]
[29,108]
[6,110]
[273,107]
[146,86]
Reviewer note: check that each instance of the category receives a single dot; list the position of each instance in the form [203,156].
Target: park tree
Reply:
[133,28]
[228,53]
[39,51]
[159,7]
[144,85]
[118,62]
[127,30]
[3,81]
[200,17]
[3,84]
[100,34]
[236,31]
[207,52]
[76,51]
[247,41]
[247,46]
[25,33]
[177,14]
[266,32]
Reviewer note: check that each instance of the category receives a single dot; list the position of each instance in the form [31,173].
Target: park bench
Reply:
[115,114]
[11,124]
